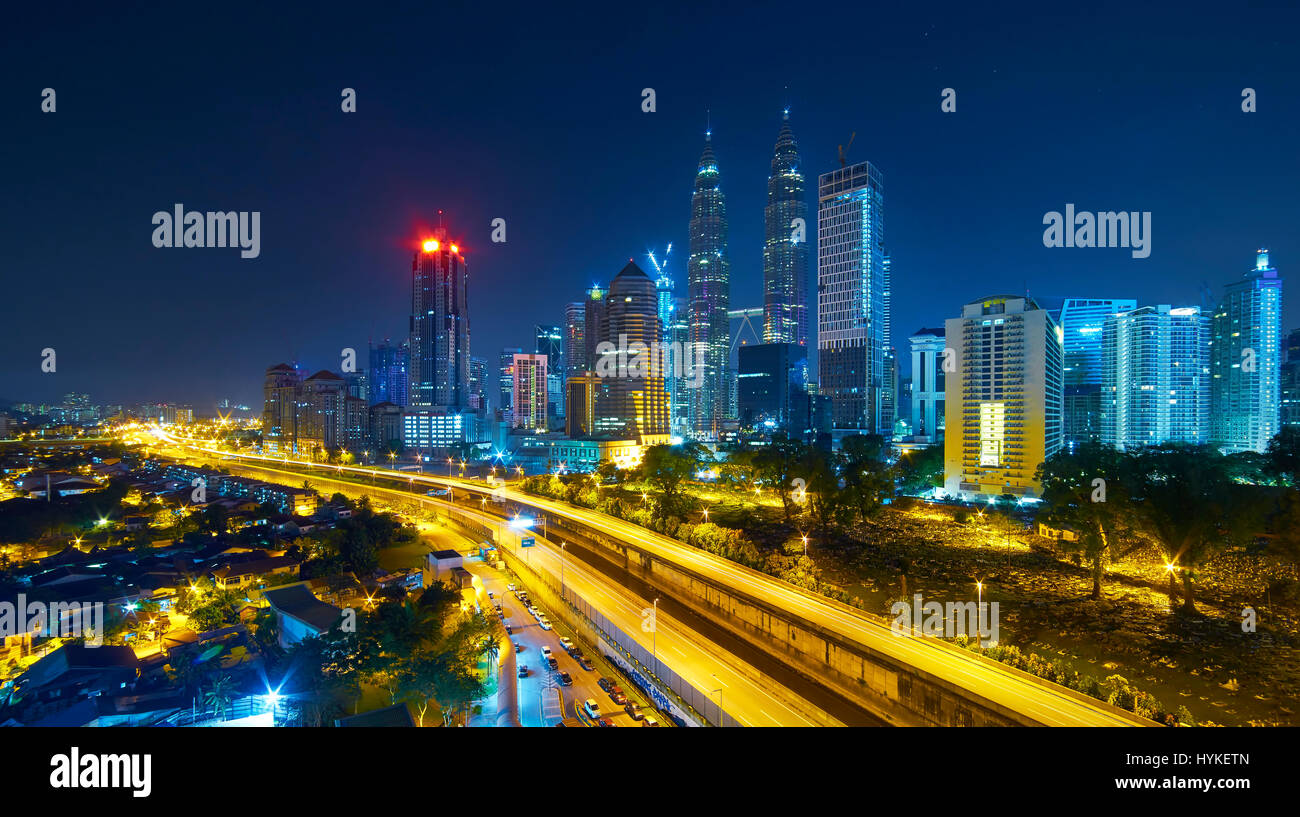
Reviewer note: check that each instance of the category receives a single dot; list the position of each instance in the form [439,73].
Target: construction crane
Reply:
[844,150]
[659,268]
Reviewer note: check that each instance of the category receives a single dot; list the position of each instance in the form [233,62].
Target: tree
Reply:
[1283,454]
[827,504]
[919,471]
[1185,499]
[219,694]
[1084,492]
[667,468]
[778,465]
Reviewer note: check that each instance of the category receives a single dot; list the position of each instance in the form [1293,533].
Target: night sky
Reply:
[535,117]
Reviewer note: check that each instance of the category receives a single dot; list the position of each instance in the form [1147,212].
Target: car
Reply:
[492,596]
[510,587]
[523,670]
[618,698]
[586,664]
[543,623]
[605,684]
[607,722]
[649,720]
[553,663]
[519,647]
[509,630]
[546,652]
[591,708]
[634,710]
[533,610]
[566,679]
[566,644]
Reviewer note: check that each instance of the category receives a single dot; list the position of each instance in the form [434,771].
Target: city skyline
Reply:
[948,225]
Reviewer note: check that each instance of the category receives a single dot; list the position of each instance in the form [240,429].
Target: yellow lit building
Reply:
[1003,392]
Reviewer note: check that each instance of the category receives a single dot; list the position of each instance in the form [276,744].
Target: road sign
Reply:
[527,542]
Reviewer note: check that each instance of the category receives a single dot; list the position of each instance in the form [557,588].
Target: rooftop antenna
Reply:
[708,125]
[844,150]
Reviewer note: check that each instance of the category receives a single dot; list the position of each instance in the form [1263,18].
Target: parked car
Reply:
[618,697]
[546,652]
[510,587]
[586,664]
[509,630]
[566,679]
[543,623]
[605,684]
[634,710]
[553,663]
[607,722]
[649,720]
[523,670]
[591,708]
[519,647]
[566,644]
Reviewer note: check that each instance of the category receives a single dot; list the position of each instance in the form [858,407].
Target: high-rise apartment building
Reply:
[1155,377]
[506,381]
[1246,360]
[851,287]
[280,409]
[529,391]
[1003,400]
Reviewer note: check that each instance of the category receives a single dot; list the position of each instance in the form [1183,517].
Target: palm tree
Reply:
[219,695]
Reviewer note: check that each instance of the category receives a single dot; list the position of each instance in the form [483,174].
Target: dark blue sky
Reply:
[534,116]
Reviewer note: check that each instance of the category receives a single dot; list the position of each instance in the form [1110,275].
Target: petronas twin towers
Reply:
[785,275]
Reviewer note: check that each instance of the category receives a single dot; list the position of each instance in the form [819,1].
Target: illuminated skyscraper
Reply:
[439,325]
[708,278]
[575,333]
[1082,322]
[633,400]
[550,342]
[785,245]
[851,287]
[530,391]
[1246,360]
[1003,400]
[1156,377]
[389,373]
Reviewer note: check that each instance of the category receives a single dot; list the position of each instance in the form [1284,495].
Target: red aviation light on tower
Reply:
[431,245]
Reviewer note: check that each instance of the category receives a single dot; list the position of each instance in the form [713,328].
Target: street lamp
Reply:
[805,545]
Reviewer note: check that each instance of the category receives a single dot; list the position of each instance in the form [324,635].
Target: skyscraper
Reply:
[1246,359]
[1082,322]
[633,400]
[851,296]
[478,380]
[708,278]
[928,385]
[280,409]
[529,391]
[439,325]
[550,342]
[506,380]
[1156,377]
[389,373]
[785,245]
[575,334]
[593,324]
[1003,400]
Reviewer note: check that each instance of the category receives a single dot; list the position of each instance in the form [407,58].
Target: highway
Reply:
[702,663]
[1042,702]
